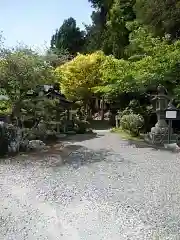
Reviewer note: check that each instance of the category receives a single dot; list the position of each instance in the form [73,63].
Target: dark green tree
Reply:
[68,38]
[117,34]
[95,33]
[108,31]
[162,15]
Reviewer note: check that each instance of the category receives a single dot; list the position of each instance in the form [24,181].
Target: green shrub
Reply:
[132,122]
[81,126]
[127,111]
[5,107]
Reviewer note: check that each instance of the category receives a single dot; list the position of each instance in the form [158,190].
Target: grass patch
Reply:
[125,135]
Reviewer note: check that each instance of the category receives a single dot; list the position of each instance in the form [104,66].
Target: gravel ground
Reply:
[100,188]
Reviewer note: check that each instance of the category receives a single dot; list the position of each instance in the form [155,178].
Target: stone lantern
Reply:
[159,133]
[162,101]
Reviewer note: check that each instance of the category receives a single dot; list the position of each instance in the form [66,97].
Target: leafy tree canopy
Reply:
[79,76]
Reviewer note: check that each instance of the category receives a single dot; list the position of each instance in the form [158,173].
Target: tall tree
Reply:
[162,15]
[108,31]
[69,37]
[117,34]
[96,32]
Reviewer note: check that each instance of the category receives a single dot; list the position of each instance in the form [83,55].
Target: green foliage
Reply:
[56,57]
[132,122]
[129,49]
[40,108]
[5,107]
[162,16]
[96,32]
[117,34]
[125,134]
[158,64]
[108,76]
[22,70]
[117,75]
[142,41]
[39,116]
[134,107]
[108,31]
[69,37]
[126,111]
[158,68]
[79,76]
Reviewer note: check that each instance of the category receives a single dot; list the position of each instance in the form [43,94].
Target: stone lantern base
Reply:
[159,134]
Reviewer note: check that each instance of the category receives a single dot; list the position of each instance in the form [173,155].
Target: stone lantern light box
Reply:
[171,114]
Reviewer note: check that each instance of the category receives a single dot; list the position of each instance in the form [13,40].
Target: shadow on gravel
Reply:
[81,137]
[54,148]
[139,144]
[100,124]
[72,155]
[85,156]
[143,144]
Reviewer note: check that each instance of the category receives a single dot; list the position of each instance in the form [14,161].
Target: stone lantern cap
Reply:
[161,89]
[171,106]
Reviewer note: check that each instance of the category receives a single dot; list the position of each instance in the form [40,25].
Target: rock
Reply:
[89,130]
[3,140]
[41,126]
[10,138]
[36,145]
[15,139]
[50,132]
[13,147]
[24,145]
[58,146]
[172,146]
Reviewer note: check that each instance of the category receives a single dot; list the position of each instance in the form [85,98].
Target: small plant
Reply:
[133,123]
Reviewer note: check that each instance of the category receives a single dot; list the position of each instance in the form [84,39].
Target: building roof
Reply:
[61,97]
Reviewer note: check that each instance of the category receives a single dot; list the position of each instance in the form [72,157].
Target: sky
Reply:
[32,22]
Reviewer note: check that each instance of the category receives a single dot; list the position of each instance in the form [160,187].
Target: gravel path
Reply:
[104,189]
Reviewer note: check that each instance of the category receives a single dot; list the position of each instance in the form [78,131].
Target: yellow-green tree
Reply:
[79,76]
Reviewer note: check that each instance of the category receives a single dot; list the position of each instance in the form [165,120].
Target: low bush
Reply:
[81,126]
[126,111]
[132,122]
